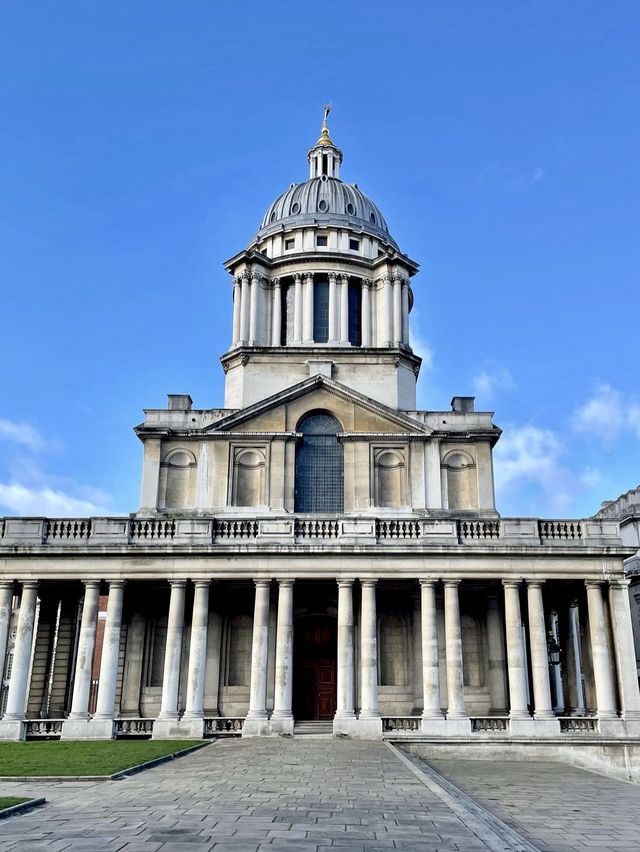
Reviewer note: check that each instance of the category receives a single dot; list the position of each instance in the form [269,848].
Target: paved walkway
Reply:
[558,808]
[307,794]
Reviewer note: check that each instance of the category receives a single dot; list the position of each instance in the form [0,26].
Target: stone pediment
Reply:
[356,412]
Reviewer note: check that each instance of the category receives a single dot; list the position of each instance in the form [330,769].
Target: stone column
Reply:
[430,658]
[109,662]
[515,652]
[365,313]
[369,710]
[543,710]
[308,308]
[253,314]
[6,600]
[192,721]
[166,723]
[497,662]
[244,308]
[333,308]
[388,311]
[397,310]
[256,723]
[282,717]
[343,722]
[276,313]
[405,311]
[574,664]
[625,654]
[600,653]
[11,727]
[297,308]
[455,675]
[344,310]
[86,646]
[237,284]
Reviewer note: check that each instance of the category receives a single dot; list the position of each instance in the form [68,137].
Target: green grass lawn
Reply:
[82,758]
[10,801]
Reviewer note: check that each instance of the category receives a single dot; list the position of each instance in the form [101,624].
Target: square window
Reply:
[354,245]
[289,244]
[321,241]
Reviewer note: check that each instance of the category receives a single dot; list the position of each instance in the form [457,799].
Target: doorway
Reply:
[314,668]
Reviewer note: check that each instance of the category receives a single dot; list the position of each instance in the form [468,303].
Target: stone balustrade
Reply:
[345,530]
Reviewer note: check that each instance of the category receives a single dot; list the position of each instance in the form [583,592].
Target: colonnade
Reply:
[391,299]
[614,668]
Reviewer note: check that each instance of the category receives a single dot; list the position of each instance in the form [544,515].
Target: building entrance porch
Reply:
[314,668]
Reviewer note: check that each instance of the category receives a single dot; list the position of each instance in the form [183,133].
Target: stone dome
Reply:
[323,201]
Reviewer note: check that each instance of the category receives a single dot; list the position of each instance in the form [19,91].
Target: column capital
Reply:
[451,582]
[255,275]
[297,278]
[6,584]
[309,276]
[397,278]
[367,581]
[344,278]
[176,584]
[275,282]
[593,584]
[116,584]
[512,582]
[262,583]
[534,582]
[237,280]
[244,275]
[333,277]
[619,583]
[366,282]
[284,581]
[201,583]
[425,582]
[91,584]
[345,582]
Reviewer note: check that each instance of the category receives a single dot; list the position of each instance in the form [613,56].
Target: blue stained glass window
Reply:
[319,484]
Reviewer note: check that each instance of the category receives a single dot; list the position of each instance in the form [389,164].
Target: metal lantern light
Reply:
[553,649]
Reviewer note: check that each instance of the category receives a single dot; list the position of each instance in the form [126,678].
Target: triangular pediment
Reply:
[356,411]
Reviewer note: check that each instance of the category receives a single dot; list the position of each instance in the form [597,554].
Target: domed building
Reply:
[318,555]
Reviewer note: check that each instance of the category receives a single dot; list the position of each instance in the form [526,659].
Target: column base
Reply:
[255,726]
[12,729]
[189,729]
[433,726]
[344,725]
[459,726]
[81,729]
[166,729]
[281,725]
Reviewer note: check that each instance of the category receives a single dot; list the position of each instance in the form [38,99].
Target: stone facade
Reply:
[318,550]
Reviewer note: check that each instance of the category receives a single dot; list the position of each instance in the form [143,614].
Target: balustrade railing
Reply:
[560,530]
[480,530]
[152,529]
[43,729]
[400,723]
[578,724]
[220,726]
[489,724]
[316,528]
[133,727]
[235,529]
[62,528]
[398,529]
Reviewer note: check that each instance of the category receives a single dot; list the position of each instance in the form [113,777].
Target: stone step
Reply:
[313,729]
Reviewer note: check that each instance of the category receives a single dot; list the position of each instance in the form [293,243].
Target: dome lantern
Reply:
[324,158]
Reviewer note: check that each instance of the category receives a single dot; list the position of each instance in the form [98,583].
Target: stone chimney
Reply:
[179,402]
[463,404]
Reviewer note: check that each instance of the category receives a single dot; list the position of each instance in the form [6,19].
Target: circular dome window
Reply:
[350,209]
[323,206]
[272,218]
[372,217]
[295,208]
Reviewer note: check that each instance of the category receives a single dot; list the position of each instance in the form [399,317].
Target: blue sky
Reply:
[141,143]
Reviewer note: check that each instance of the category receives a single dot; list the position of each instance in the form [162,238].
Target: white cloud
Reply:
[509,177]
[23,433]
[528,454]
[493,377]
[419,344]
[19,499]
[607,414]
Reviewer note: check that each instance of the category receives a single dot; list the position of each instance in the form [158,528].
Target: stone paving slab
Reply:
[244,795]
[557,807]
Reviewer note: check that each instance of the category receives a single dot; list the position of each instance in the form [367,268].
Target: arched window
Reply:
[319,465]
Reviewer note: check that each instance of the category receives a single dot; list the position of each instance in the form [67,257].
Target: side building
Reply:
[317,551]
